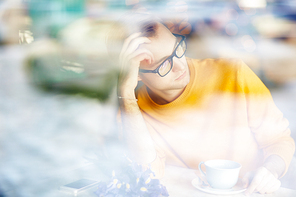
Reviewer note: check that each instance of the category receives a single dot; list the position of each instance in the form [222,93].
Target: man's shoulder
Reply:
[222,61]
[218,63]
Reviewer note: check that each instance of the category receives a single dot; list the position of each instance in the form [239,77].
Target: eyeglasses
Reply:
[166,66]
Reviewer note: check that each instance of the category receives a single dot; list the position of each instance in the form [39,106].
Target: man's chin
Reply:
[186,81]
[181,86]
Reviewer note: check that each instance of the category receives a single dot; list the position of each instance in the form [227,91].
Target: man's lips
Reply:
[181,76]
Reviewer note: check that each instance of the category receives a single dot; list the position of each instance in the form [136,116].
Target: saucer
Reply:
[197,183]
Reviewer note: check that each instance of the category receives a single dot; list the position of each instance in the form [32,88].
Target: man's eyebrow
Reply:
[160,61]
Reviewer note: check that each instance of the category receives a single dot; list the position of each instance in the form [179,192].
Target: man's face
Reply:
[162,46]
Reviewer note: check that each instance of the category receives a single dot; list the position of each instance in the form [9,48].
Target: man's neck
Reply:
[164,97]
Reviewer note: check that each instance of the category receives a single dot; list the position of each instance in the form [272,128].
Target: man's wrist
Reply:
[126,94]
[270,167]
[128,98]
[128,101]
[276,165]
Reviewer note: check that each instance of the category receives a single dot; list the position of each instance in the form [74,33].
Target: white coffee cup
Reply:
[221,174]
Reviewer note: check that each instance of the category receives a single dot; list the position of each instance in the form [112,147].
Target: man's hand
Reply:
[265,179]
[262,180]
[129,59]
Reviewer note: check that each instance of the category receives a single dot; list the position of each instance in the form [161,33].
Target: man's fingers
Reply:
[268,180]
[149,56]
[262,186]
[275,187]
[133,60]
[127,42]
[127,60]
[129,39]
[257,180]
[263,182]
[271,187]
[141,57]
[133,46]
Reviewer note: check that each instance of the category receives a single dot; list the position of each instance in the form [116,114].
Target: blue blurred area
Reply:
[286,9]
[50,16]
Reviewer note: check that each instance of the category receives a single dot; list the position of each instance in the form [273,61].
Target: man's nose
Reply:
[177,65]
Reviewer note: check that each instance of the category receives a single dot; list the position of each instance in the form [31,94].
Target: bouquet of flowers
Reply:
[131,181]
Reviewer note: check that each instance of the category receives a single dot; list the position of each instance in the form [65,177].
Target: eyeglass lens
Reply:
[166,66]
[181,49]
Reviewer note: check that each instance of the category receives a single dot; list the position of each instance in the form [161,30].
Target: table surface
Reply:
[177,181]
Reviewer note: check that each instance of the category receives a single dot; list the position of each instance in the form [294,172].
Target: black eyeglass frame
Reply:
[170,58]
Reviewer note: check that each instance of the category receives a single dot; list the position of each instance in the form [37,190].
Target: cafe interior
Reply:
[58,102]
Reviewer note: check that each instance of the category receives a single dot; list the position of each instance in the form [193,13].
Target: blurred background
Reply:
[57,95]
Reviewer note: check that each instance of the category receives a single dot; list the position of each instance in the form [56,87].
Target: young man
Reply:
[190,111]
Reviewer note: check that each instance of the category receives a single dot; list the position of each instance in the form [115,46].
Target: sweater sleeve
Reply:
[158,164]
[265,120]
